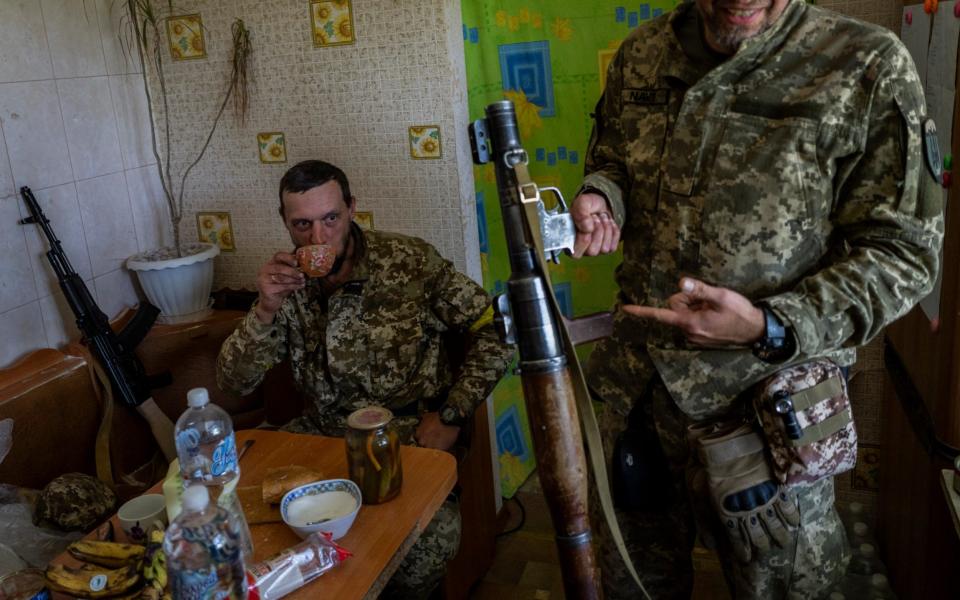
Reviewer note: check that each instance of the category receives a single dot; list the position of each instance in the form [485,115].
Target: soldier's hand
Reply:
[276,280]
[709,316]
[597,231]
[432,433]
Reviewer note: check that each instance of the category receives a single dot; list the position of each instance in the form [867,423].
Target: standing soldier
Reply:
[766,164]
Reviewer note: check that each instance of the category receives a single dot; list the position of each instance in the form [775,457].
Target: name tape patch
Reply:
[646,96]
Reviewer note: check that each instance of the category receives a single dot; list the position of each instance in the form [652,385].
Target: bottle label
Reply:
[195,584]
[209,584]
[188,442]
[224,458]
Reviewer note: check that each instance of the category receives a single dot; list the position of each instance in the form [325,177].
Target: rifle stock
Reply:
[526,316]
[128,380]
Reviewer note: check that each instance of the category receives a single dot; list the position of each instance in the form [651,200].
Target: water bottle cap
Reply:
[195,498]
[198,397]
[855,508]
[867,550]
[878,580]
[860,528]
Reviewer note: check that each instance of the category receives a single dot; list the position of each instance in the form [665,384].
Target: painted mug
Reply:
[142,515]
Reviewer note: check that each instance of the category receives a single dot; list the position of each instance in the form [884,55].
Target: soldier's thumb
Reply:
[696,289]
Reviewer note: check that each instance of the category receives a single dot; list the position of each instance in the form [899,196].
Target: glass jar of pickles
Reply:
[373,454]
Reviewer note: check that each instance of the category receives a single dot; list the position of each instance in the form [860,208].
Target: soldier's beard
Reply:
[348,247]
[337,264]
[727,37]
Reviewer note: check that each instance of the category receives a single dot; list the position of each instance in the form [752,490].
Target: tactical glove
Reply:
[752,506]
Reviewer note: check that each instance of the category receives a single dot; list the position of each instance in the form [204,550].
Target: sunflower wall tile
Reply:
[185,36]
[331,22]
[215,228]
[272,147]
[425,142]
[364,219]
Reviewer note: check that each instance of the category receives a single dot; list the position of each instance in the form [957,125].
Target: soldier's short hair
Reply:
[308,174]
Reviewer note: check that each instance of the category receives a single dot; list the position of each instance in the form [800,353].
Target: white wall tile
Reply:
[90,125]
[6,177]
[120,60]
[151,217]
[133,119]
[17,285]
[22,332]
[23,44]
[59,322]
[33,128]
[107,222]
[116,292]
[60,205]
[73,35]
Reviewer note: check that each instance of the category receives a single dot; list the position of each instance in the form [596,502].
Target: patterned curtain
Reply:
[549,57]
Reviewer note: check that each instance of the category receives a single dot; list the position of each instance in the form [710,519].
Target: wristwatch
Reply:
[777,343]
[450,416]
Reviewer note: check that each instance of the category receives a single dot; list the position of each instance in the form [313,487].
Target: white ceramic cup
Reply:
[142,515]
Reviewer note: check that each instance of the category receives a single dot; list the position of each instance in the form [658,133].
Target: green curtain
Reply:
[550,59]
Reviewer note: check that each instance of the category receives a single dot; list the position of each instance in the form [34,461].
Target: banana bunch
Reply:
[93,581]
[113,570]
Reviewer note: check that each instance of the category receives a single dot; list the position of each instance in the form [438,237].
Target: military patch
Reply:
[646,96]
[931,149]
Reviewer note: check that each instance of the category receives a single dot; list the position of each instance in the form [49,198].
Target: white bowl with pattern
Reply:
[328,506]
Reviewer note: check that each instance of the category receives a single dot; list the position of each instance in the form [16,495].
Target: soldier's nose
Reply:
[317,235]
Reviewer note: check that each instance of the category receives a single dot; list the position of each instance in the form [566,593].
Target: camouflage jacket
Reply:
[791,173]
[375,340]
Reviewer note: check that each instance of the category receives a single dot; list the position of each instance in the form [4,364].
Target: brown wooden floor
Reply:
[525,566]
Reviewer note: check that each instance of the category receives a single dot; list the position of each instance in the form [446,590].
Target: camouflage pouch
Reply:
[808,422]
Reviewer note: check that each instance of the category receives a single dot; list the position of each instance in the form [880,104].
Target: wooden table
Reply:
[381,535]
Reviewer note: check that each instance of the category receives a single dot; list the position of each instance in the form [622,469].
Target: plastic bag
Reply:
[294,567]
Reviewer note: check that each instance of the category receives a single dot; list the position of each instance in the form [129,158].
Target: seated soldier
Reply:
[368,333]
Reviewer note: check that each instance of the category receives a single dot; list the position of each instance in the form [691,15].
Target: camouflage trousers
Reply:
[425,564]
[660,540]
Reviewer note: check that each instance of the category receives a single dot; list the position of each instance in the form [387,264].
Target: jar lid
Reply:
[370,417]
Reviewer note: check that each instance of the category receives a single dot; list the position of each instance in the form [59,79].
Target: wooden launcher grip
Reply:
[560,455]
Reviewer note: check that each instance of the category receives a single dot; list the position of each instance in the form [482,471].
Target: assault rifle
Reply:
[114,351]
[554,390]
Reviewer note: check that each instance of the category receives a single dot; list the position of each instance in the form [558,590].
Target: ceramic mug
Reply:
[142,515]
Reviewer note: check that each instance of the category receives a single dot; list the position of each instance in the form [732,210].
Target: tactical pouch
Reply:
[807,420]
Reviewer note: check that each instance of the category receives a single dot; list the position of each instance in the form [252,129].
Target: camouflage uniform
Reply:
[376,340]
[792,173]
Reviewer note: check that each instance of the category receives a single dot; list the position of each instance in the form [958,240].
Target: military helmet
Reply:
[74,502]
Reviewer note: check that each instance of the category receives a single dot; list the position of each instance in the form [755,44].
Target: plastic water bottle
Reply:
[207,451]
[204,558]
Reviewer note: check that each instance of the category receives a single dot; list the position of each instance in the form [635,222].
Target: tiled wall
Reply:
[351,105]
[73,129]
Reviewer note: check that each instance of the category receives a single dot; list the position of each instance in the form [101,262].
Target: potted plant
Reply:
[177,279]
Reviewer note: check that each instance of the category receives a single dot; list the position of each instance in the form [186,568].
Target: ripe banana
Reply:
[90,581]
[106,554]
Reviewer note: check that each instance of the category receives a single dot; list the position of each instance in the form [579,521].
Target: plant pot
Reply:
[179,286]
